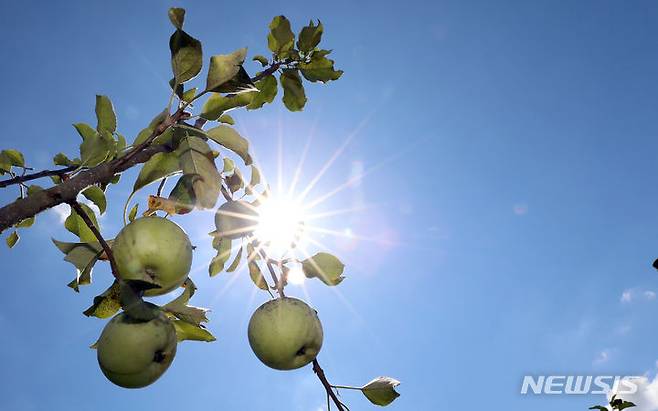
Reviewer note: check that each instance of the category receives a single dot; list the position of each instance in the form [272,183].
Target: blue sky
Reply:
[506,221]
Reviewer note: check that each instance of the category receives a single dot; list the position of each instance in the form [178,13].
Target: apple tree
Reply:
[192,144]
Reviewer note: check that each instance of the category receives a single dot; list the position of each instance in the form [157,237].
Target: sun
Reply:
[280,226]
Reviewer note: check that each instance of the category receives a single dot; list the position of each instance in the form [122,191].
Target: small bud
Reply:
[381,390]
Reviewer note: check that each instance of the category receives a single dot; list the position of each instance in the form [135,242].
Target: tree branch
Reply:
[67,191]
[34,176]
[323,379]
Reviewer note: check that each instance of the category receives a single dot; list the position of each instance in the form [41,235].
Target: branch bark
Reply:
[323,379]
[34,176]
[68,190]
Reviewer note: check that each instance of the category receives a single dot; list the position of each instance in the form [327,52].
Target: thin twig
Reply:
[277,283]
[106,247]
[323,379]
[161,186]
[34,176]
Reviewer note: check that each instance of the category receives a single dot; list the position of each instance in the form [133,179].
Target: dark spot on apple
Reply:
[159,356]
[301,351]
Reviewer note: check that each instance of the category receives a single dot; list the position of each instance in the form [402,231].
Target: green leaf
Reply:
[196,159]
[177,17]
[181,310]
[261,59]
[159,166]
[189,95]
[225,118]
[320,69]
[187,331]
[183,194]
[133,213]
[229,165]
[254,181]
[217,104]
[96,196]
[62,160]
[226,74]
[75,224]
[309,37]
[281,39]
[85,130]
[106,304]
[599,407]
[223,247]
[15,157]
[235,182]
[186,56]
[294,97]
[236,262]
[326,267]
[381,391]
[257,276]
[95,148]
[107,119]
[83,256]
[12,239]
[227,136]
[5,164]
[267,87]
[28,222]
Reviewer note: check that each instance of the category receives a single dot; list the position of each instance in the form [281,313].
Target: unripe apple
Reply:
[236,219]
[285,333]
[132,353]
[155,250]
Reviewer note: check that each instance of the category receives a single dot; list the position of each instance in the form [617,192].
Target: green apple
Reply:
[132,353]
[236,219]
[285,333]
[155,250]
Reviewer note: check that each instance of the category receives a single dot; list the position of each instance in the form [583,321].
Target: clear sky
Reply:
[505,223]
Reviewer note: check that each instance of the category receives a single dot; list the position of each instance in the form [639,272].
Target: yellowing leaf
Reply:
[106,304]
[187,331]
[156,203]
[12,239]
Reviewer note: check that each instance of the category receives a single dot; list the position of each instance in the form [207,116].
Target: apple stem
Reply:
[346,387]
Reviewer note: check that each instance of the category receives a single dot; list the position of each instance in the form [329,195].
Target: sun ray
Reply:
[335,156]
[337,233]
